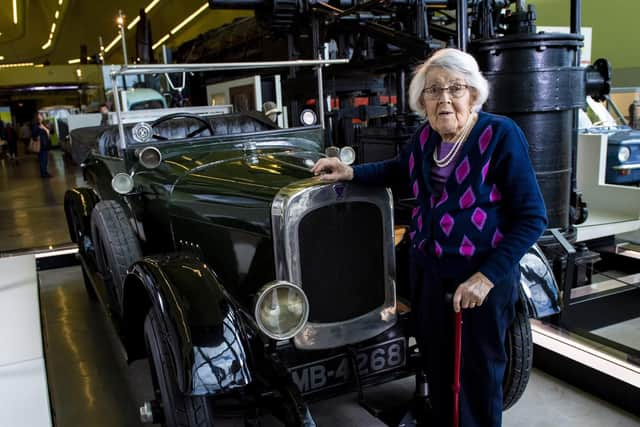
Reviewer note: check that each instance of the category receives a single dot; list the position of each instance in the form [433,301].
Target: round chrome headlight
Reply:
[150,157]
[122,183]
[347,155]
[281,309]
[308,117]
[623,154]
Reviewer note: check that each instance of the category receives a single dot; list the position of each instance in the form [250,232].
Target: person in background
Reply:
[479,210]
[12,140]
[25,133]
[271,110]
[104,111]
[41,131]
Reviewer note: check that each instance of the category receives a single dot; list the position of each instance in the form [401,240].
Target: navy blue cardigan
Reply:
[491,209]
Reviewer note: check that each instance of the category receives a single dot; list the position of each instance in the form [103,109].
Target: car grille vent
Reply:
[342,260]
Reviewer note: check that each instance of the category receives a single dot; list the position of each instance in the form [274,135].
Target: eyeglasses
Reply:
[435,92]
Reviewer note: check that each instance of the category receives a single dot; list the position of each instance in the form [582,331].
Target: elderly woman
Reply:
[478,210]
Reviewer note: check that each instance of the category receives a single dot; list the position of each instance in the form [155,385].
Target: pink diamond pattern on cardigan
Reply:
[446,223]
[415,211]
[412,234]
[437,248]
[462,171]
[467,248]
[478,218]
[495,194]
[497,238]
[420,223]
[467,199]
[424,135]
[443,197]
[432,200]
[416,190]
[485,170]
[412,163]
[421,244]
[485,139]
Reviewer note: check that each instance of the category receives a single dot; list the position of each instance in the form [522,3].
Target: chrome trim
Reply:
[260,298]
[146,164]
[288,208]
[220,66]
[142,132]
[128,179]
[626,167]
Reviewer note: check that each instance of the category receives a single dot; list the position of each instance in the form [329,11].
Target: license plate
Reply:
[336,370]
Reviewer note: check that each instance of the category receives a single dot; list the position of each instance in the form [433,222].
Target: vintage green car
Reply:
[244,278]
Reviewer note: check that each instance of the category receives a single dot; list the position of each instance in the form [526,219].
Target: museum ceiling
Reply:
[53,31]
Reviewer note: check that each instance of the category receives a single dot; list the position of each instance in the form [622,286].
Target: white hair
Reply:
[455,61]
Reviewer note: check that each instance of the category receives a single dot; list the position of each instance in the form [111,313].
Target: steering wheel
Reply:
[205,124]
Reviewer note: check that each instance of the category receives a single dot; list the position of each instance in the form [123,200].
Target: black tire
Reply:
[519,346]
[179,410]
[116,245]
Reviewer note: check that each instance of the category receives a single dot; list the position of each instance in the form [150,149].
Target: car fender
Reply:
[199,322]
[538,286]
[78,204]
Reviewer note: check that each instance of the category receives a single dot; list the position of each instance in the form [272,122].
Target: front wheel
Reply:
[519,346]
[178,410]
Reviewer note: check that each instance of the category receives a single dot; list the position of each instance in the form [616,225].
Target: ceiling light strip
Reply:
[15,11]
[113,43]
[133,23]
[162,40]
[16,65]
[74,61]
[151,6]
[190,18]
[146,10]
[47,44]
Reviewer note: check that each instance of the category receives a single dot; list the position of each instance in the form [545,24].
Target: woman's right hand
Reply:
[332,169]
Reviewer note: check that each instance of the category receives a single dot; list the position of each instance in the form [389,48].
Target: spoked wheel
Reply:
[177,410]
[519,346]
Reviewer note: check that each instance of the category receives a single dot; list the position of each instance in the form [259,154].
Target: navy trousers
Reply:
[483,334]
[43,158]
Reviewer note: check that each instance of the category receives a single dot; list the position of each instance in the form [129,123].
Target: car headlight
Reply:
[623,154]
[347,155]
[308,117]
[281,309]
[122,183]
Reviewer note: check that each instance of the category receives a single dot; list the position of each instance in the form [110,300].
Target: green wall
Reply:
[616,34]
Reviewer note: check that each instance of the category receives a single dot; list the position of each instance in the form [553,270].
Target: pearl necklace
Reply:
[460,138]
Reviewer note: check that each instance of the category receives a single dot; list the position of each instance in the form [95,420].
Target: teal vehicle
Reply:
[241,276]
[139,99]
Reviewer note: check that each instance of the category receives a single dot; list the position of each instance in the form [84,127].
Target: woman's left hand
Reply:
[472,292]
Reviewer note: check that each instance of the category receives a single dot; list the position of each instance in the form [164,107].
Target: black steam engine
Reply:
[535,78]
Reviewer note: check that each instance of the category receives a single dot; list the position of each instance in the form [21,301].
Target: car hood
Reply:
[235,189]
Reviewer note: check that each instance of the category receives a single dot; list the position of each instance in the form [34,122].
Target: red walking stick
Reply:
[457,355]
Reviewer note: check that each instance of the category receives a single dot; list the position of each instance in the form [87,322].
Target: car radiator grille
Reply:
[342,260]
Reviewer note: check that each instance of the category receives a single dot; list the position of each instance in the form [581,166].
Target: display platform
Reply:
[24,398]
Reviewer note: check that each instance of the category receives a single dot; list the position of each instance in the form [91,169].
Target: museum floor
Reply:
[89,382]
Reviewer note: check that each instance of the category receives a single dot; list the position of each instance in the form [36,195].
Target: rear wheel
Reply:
[178,410]
[519,346]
